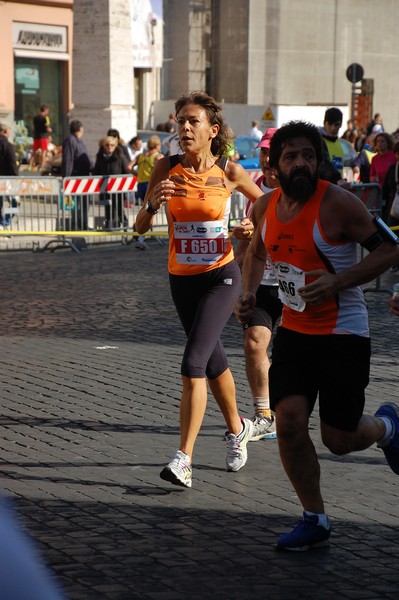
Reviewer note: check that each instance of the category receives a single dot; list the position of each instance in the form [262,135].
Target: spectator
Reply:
[75,156]
[376,129]
[350,133]
[50,153]
[395,135]
[41,130]
[390,188]
[170,125]
[8,166]
[76,162]
[375,124]
[172,143]
[332,166]
[146,162]
[361,164]
[135,147]
[255,132]
[361,139]
[231,153]
[383,159]
[391,181]
[111,160]
[121,143]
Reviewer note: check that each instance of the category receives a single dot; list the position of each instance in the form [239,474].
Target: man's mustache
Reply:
[302,171]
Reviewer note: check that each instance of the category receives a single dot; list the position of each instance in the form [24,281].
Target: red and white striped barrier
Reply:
[115,183]
[254,174]
[99,184]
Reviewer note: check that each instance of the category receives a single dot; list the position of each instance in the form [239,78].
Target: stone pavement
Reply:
[91,349]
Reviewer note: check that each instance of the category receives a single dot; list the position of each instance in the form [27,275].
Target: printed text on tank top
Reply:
[198,220]
[297,244]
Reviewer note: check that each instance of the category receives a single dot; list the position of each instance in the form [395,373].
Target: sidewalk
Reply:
[91,349]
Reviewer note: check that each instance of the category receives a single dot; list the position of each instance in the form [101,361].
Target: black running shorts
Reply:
[334,367]
[204,304]
[268,308]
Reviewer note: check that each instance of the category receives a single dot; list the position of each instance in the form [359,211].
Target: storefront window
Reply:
[37,82]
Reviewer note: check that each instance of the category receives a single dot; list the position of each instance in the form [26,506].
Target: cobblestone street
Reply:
[90,377]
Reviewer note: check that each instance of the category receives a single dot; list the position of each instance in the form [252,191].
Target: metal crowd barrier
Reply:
[101,206]
[71,211]
[370,194]
[75,210]
[49,212]
[239,202]
[29,208]
[29,204]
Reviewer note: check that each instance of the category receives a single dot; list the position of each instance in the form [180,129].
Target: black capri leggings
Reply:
[204,303]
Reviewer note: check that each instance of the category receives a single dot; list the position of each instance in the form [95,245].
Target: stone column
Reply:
[102,82]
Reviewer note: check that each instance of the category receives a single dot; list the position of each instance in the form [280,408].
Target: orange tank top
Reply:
[299,246]
[198,214]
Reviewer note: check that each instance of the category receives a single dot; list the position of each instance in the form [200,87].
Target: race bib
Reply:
[290,278]
[199,243]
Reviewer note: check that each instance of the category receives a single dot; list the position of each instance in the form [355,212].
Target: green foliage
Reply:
[22,141]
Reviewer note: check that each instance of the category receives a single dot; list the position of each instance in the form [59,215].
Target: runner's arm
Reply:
[159,187]
[253,269]
[239,180]
[352,221]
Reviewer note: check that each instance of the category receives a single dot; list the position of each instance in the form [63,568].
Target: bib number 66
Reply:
[287,287]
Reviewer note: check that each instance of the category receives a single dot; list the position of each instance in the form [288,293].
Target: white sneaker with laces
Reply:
[237,447]
[141,246]
[178,471]
[264,428]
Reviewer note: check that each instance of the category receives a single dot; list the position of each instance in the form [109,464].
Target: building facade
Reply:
[279,52]
[36,61]
[123,63]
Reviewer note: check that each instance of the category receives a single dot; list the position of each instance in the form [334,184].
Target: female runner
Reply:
[204,277]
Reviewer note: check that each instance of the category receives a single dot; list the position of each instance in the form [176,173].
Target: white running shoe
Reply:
[237,447]
[141,245]
[178,471]
[264,428]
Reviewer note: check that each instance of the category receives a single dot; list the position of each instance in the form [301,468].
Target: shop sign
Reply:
[33,36]
[147,33]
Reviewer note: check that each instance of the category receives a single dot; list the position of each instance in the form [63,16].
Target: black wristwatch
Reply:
[149,208]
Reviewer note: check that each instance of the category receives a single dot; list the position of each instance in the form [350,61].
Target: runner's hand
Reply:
[244,306]
[323,286]
[244,231]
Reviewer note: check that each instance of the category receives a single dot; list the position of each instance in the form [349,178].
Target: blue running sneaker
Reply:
[305,535]
[391,450]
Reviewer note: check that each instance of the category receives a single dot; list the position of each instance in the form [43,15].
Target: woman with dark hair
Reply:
[110,160]
[390,188]
[380,164]
[384,158]
[205,279]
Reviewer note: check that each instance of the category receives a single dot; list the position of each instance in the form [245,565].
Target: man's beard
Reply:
[299,185]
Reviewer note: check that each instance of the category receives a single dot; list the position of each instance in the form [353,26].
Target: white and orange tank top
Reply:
[269,277]
[198,215]
[299,246]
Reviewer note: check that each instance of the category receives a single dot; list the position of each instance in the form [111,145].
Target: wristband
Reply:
[149,208]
